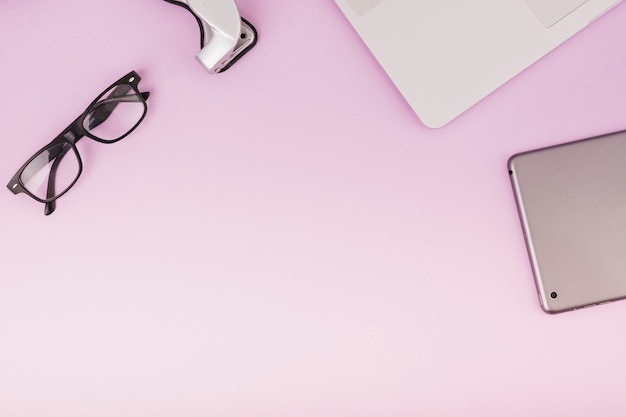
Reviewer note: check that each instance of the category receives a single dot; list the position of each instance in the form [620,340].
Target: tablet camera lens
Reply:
[553,294]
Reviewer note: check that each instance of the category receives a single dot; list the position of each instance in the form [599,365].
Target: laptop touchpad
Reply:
[551,11]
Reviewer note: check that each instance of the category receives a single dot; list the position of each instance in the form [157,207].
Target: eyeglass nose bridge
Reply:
[74,132]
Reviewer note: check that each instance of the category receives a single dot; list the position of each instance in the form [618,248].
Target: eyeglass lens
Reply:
[52,171]
[118,112]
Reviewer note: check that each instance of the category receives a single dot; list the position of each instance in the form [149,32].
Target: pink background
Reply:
[286,238]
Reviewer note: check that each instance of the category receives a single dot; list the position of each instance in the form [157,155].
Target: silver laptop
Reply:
[446,55]
[572,204]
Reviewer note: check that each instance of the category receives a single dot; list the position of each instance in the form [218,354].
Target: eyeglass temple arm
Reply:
[97,117]
[51,205]
[73,135]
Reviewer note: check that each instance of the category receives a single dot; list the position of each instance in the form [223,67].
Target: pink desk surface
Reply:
[286,238]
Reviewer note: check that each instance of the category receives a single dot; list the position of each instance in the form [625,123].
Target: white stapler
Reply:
[224,35]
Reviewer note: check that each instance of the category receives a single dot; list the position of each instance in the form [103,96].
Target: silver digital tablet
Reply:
[571,200]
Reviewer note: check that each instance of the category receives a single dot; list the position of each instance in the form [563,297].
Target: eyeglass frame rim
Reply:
[132,79]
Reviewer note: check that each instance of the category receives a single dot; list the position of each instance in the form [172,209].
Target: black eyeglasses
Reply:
[55,168]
